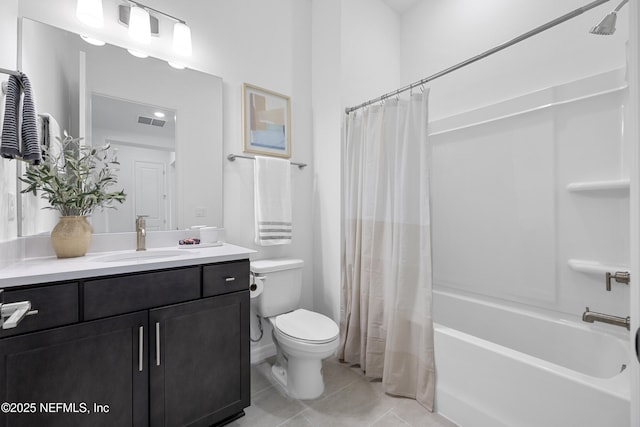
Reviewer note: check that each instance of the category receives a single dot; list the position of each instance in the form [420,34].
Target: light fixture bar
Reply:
[143,6]
[124,14]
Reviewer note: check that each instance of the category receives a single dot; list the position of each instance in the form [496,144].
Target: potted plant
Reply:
[75,179]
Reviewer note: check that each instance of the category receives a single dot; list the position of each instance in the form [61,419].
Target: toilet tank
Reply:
[282,280]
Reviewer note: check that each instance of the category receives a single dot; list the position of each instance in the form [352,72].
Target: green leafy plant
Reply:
[76,179]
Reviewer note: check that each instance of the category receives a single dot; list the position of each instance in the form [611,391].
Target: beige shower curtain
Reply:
[386,323]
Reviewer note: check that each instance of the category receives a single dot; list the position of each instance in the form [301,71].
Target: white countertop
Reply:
[51,269]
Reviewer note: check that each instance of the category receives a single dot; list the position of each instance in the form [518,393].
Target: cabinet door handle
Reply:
[229,279]
[140,348]
[13,313]
[157,343]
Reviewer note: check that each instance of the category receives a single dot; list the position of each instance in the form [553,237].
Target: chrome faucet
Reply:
[141,233]
[592,316]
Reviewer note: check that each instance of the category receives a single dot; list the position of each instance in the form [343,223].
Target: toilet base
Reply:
[279,374]
[302,379]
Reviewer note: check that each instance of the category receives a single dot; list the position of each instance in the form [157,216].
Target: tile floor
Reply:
[349,400]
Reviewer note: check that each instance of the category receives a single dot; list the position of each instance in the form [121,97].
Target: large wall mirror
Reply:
[165,123]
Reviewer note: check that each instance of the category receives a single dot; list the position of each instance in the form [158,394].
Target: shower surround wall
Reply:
[505,224]
[511,217]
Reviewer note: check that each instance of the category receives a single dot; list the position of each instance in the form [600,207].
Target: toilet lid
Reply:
[309,326]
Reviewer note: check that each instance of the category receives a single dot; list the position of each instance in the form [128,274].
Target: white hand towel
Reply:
[272,201]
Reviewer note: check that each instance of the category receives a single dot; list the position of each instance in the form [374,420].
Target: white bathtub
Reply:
[503,366]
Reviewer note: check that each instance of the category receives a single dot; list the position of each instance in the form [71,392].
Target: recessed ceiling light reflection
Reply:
[177,66]
[137,53]
[92,41]
[159,114]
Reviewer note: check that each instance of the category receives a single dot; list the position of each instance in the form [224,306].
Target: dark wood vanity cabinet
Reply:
[199,353]
[163,362]
[76,366]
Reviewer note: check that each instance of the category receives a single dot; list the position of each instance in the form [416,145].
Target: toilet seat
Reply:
[307,326]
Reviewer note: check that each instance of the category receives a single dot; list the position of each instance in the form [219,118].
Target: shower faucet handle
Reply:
[619,276]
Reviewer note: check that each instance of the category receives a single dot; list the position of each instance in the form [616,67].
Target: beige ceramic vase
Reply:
[71,236]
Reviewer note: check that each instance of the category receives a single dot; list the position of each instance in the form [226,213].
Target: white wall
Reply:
[326,66]
[371,47]
[356,56]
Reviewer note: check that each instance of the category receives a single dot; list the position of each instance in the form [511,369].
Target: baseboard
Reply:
[260,353]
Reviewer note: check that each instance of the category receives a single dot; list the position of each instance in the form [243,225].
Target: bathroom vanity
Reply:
[128,340]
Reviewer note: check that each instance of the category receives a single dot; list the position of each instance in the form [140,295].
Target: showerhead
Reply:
[607,26]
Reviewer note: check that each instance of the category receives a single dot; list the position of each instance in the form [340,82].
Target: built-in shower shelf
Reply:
[612,185]
[595,267]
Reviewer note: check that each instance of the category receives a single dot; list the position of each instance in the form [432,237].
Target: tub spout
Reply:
[592,316]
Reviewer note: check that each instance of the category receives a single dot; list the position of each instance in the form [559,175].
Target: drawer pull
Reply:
[229,279]
[140,348]
[157,344]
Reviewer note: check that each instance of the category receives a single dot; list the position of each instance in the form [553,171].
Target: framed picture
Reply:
[266,122]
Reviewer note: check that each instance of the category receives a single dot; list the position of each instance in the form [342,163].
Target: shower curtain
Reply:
[386,323]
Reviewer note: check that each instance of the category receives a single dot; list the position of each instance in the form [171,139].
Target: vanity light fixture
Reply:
[142,22]
[147,25]
[90,13]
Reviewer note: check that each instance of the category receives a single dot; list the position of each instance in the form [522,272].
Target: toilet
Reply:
[302,337]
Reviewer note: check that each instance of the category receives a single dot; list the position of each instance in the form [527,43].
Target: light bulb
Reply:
[140,25]
[182,39]
[90,12]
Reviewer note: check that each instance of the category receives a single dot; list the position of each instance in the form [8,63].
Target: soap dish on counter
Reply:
[201,245]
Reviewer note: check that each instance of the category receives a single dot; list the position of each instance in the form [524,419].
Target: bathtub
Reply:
[504,366]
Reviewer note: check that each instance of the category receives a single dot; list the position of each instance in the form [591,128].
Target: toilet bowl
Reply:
[302,337]
[298,367]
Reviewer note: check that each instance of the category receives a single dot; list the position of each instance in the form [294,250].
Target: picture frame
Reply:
[266,121]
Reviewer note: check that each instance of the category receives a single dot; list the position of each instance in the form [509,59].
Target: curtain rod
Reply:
[233,157]
[489,52]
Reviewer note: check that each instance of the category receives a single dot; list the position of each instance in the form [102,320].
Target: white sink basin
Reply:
[141,255]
